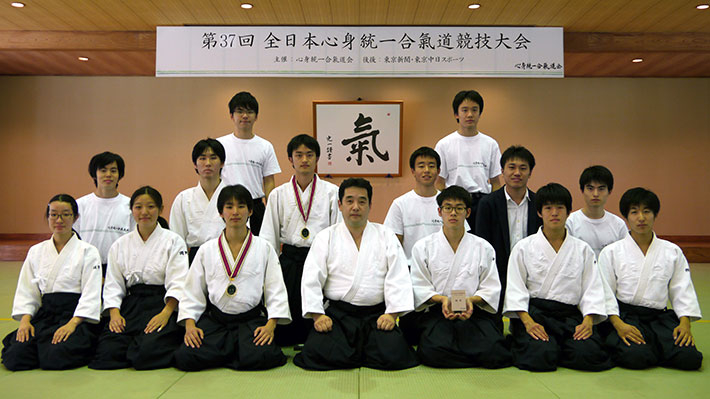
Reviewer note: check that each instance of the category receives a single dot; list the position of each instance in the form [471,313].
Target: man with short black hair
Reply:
[414,215]
[251,160]
[359,268]
[194,215]
[507,216]
[296,211]
[593,224]
[105,213]
[555,294]
[469,158]
[644,273]
[450,260]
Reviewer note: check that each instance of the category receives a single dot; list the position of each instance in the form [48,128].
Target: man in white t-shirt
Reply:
[592,224]
[469,158]
[105,213]
[251,160]
[415,215]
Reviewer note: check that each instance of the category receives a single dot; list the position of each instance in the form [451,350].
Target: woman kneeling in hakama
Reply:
[144,280]
[59,288]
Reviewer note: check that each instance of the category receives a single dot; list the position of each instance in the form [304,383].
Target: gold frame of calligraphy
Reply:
[359,138]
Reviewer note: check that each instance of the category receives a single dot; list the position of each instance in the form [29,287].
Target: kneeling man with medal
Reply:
[226,323]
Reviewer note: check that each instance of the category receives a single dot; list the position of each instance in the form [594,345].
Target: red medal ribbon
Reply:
[298,198]
[243,253]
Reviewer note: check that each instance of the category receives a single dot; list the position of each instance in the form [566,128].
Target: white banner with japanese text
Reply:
[360,51]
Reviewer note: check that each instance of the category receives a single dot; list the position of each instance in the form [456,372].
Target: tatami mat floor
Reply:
[420,382]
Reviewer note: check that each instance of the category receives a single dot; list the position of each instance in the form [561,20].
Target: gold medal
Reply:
[304,233]
[232,274]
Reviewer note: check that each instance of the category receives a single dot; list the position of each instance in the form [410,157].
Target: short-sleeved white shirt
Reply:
[598,233]
[413,217]
[102,221]
[248,162]
[469,161]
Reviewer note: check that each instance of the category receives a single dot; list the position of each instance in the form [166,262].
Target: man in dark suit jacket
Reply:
[511,206]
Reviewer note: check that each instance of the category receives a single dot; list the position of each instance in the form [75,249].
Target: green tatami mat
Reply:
[420,382]
[287,382]
[425,382]
[86,383]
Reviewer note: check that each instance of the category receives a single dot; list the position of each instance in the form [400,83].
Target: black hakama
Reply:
[257,215]
[355,342]
[559,321]
[191,255]
[56,310]
[411,326]
[292,259]
[229,342]
[660,349]
[133,347]
[475,342]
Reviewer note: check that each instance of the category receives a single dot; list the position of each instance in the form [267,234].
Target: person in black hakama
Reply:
[58,298]
[361,269]
[643,273]
[226,324]
[295,213]
[146,272]
[555,294]
[449,260]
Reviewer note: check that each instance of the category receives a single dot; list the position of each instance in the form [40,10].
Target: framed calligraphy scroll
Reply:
[358,138]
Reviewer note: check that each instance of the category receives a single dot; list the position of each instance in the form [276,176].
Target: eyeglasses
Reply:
[449,209]
[64,216]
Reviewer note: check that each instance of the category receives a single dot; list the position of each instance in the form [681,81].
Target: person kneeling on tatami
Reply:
[225,323]
[555,294]
[452,260]
[643,272]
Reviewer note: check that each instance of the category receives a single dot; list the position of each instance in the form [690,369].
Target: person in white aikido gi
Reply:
[194,214]
[643,273]
[296,211]
[57,299]
[226,324]
[360,268]
[555,294]
[144,280]
[450,260]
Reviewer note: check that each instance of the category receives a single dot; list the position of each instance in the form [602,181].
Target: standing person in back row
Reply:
[296,212]
[194,215]
[469,158]
[251,160]
[105,213]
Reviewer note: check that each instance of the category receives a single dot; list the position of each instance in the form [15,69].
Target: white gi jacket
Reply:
[76,269]
[196,218]
[260,275]
[283,222]
[436,270]
[569,276]
[336,269]
[160,260]
[648,280]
